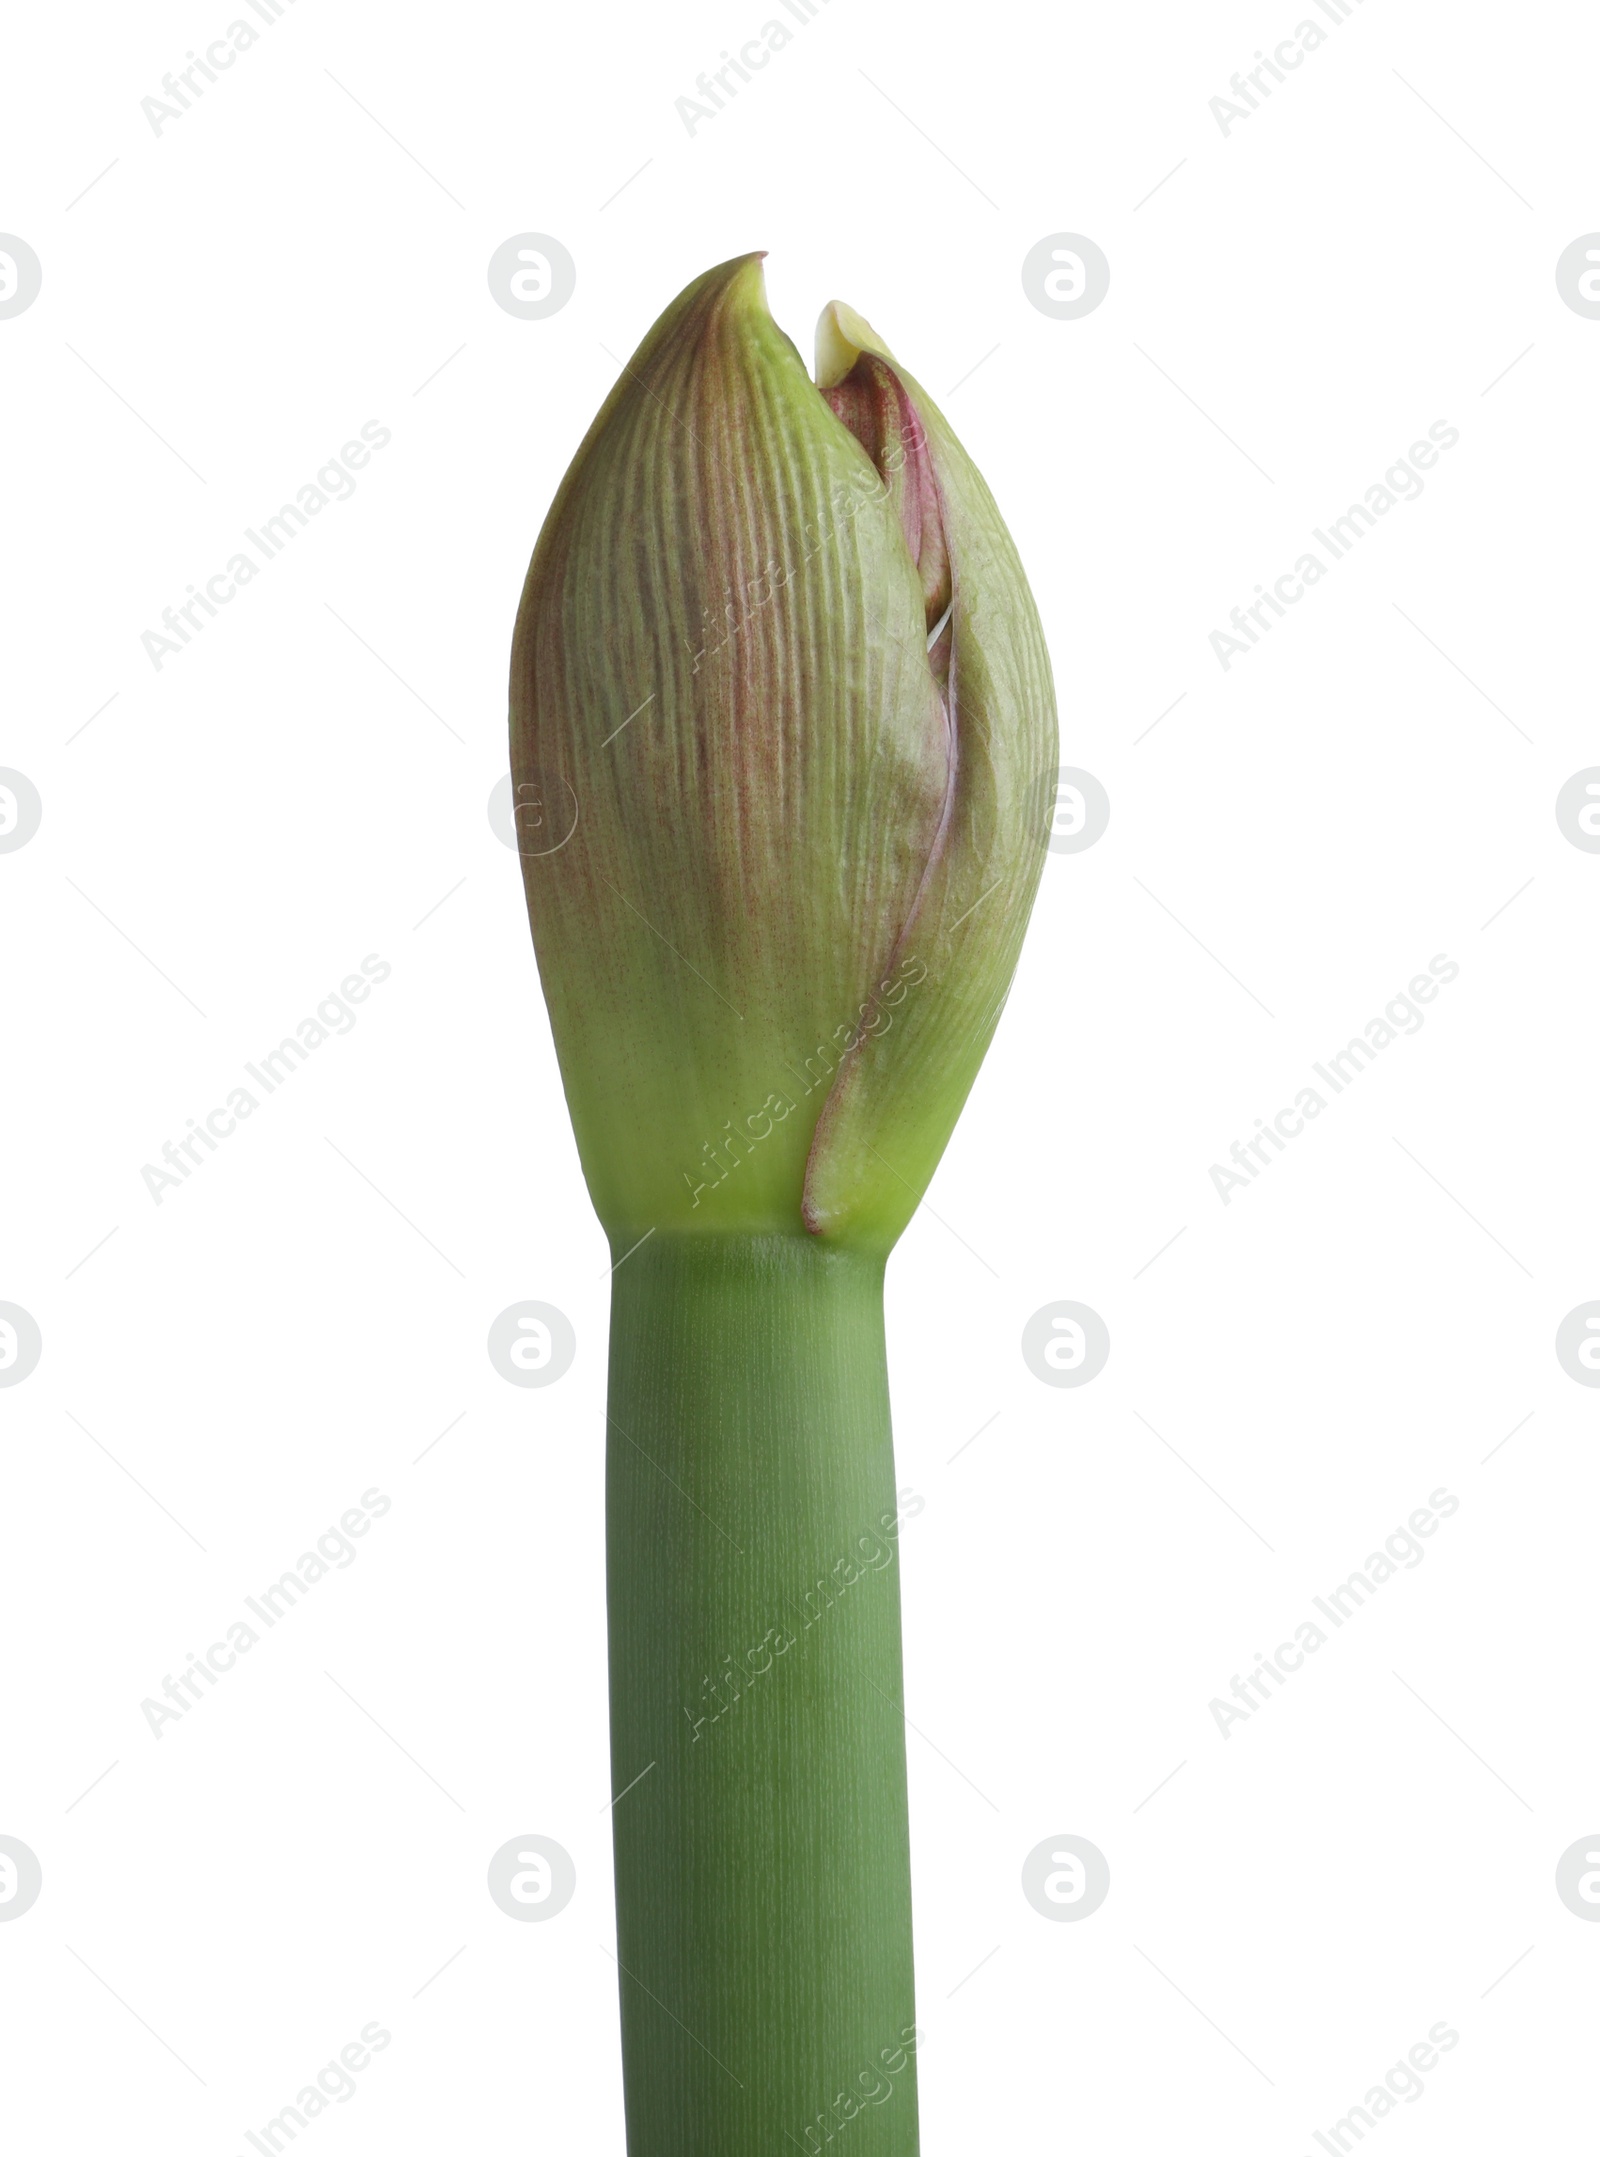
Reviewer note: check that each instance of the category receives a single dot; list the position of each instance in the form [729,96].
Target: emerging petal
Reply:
[895,1102]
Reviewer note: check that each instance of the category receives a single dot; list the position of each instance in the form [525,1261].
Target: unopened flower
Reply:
[777,658]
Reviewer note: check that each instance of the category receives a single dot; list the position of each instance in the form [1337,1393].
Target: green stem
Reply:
[762,1861]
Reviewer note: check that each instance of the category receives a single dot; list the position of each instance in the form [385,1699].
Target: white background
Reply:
[306,783]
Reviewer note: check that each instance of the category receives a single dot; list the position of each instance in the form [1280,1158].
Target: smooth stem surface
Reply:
[762,1862]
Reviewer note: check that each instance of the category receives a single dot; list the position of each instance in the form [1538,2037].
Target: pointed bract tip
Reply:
[739,283]
[744,272]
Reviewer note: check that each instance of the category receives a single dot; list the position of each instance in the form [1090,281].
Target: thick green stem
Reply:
[762,1860]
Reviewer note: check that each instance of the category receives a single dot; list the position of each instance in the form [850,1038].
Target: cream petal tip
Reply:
[842,336]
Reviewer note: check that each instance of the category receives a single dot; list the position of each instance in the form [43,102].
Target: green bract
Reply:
[783,743]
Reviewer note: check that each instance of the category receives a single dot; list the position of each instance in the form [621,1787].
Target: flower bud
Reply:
[782,725]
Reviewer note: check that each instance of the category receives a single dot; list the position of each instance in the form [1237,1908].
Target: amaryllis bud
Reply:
[781,727]
[781,710]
